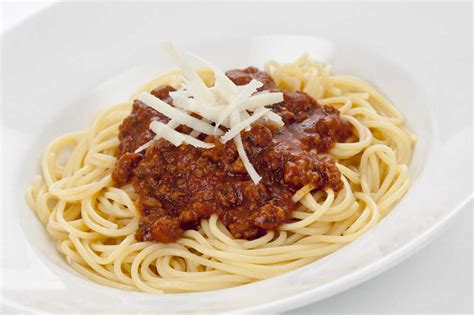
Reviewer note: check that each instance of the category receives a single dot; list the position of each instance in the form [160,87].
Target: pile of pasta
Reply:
[93,223]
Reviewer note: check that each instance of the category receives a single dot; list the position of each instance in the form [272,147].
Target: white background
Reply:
[438,279]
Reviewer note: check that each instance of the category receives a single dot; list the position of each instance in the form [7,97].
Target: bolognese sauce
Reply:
[177,187]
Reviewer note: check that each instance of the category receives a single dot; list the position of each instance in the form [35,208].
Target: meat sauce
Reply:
[180,186]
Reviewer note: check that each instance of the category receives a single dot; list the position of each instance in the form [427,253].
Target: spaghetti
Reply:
[94,223]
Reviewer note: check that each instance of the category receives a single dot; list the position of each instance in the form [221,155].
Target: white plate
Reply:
[52,63]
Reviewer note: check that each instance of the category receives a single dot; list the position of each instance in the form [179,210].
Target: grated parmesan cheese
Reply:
[179,116]
[225,104]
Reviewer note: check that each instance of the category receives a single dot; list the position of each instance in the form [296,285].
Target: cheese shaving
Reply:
[236,129]
[145,146]
[235,120]
[188,72]
[274,118]
[172,124]
[178,115]
[244,94]
[176,137]
[223,86]
[263,99]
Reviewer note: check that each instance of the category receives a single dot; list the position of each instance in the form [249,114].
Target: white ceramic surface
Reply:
[52,62]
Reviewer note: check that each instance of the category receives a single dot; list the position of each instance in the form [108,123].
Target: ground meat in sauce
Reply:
[179,186]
